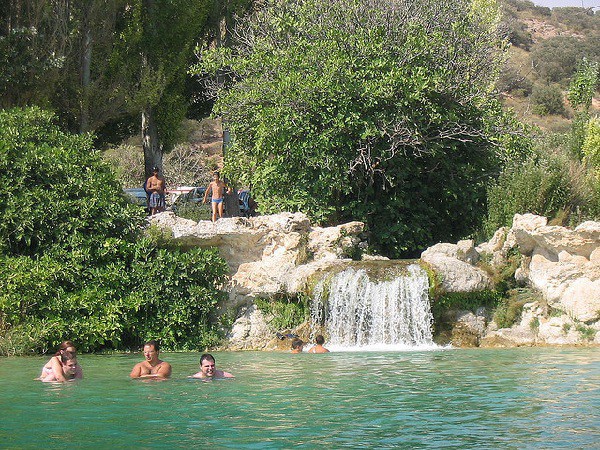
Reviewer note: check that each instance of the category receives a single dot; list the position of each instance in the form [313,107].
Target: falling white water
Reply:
[365,314]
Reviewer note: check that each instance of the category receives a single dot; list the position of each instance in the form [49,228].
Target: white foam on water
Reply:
[360,314]
[387,348]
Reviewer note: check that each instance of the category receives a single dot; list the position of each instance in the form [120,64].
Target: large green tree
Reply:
[374,110]
[157,45]
[57,54]
[100,64]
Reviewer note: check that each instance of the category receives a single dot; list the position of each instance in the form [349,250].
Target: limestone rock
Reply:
[334,242]
[561,266]
[453,263]
[250,330]
[462,251]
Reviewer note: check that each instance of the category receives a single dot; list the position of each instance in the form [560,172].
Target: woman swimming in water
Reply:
[54,370]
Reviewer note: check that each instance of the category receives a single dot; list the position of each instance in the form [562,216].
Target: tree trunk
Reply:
[152,150]
[86,62]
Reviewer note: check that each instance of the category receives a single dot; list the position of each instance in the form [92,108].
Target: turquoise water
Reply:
[479,398]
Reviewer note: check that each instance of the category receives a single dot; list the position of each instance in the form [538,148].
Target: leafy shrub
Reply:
[284,312]
[140,292]
[586,333]
[56,190]
[591,143]
[513,82]
[539,185]
[547,99]
[468,301]
[73,261]
[519,35]
[579,19]
[509,309]
[555,59]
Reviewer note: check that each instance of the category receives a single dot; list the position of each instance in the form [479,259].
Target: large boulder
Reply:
[563,264]
[454,265]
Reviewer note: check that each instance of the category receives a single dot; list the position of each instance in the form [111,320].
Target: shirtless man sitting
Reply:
[217,190]
[152,367]
[208,369]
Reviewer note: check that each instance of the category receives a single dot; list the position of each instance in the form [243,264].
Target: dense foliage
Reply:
[378,111]
[74,264]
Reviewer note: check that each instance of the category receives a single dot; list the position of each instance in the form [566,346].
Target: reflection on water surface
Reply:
[508,398]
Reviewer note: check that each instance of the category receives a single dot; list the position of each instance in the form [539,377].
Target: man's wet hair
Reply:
[320,339]
[153,343]
[297,343]
[207,356]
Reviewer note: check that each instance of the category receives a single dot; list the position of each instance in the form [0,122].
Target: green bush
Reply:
[469,301]
[586,333]
[56,191]
[555,59]
[539,185]
[508,311]
[591,144]
[74,263]
[512,81]
[284,312]
[547,100]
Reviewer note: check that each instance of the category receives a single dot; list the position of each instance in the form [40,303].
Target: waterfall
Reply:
[357,312]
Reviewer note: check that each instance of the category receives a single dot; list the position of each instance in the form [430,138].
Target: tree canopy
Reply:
[376,110]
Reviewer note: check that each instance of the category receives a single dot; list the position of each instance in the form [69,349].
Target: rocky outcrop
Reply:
[563,264]
[559,263]
[267,255]
[455,266]
[283,253]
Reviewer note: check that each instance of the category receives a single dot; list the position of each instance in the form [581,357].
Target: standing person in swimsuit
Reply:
[157,187]
[152,367]
[54,368]
[217,190]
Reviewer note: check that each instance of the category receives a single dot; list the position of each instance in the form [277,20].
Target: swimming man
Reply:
[320,340]
[208,369]
[152,367]
[297,345]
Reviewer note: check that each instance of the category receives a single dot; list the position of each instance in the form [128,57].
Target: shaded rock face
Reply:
[564,265]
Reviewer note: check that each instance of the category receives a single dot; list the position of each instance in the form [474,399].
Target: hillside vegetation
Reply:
[547,46]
